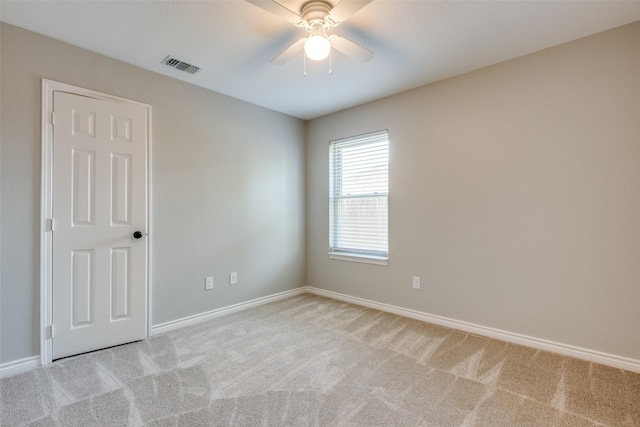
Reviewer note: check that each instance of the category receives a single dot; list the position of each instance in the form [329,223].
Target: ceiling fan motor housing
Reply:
[315,13]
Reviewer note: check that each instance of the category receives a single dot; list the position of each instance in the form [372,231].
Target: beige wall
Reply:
[514,194]
[228,187]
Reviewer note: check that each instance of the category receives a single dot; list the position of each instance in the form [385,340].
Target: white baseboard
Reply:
[19,366]
[197,318]
[538,343]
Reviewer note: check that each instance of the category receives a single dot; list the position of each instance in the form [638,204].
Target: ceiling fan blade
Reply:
[345,9]
[289,52]
[350,48]
[278,9]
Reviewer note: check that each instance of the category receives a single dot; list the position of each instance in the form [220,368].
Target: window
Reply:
[358,198]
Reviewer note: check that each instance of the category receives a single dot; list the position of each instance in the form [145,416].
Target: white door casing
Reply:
[98,277]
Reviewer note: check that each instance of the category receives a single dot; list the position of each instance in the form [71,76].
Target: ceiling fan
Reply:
[318,16]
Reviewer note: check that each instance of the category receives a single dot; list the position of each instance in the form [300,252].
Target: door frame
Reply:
[47,225]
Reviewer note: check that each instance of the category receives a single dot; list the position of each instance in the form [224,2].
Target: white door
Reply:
[99,203]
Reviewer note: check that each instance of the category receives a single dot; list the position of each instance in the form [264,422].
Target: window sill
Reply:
[367,259]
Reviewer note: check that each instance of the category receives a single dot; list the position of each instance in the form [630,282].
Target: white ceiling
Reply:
[415,42]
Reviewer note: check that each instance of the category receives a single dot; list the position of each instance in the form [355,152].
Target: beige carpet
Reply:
[309,360]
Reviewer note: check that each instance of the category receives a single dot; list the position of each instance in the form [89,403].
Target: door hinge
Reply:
[48,224]
[50,331]
[53,118]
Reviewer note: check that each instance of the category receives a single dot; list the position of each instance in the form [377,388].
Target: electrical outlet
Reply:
[233,278]
[208,283]
[416,282]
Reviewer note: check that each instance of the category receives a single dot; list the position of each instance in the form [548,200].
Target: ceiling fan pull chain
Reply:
[304,66]
[330,62]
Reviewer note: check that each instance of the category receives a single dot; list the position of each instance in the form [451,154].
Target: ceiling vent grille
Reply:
[180,65]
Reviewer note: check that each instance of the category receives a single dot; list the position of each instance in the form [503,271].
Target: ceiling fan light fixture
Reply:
[317,47]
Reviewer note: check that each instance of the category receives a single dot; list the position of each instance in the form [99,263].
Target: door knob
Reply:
[137,234]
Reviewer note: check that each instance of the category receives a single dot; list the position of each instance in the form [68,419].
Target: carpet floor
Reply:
[313,361]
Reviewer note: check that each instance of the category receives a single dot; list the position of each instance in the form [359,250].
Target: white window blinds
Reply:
[358,193]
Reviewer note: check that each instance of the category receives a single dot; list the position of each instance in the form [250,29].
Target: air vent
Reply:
[179,65]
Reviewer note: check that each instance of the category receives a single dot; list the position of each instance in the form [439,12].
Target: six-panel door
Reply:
[99,201]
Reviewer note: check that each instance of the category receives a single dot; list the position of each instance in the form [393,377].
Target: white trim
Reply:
[46,212]
[366,259]
[149,223]
[19,366]
[22,365]
[375,136]
[46,203]
[538,343]
[197,318]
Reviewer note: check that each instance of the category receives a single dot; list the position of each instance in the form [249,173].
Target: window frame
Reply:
[335,182]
